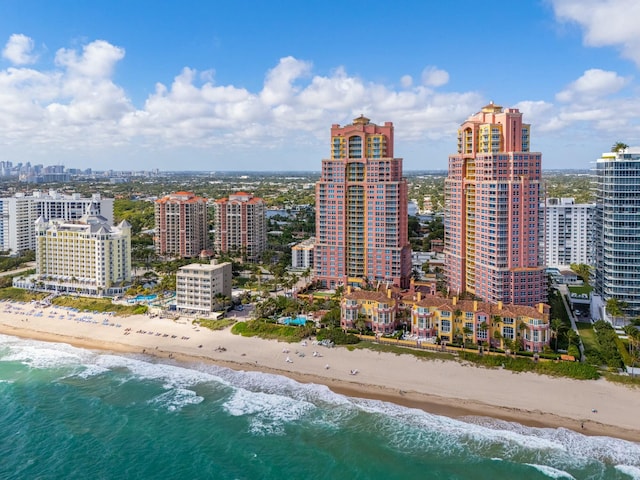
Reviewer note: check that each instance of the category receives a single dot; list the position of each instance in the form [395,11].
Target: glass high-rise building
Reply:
[492,218]
[361,210]
[617,220]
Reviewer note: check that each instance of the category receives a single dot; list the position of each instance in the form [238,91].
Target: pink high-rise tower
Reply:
[361,210]
[492,199]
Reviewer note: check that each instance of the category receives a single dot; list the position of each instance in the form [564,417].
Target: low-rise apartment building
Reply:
[498,325]
[201,288]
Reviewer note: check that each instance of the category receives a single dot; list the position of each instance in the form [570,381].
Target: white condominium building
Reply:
[302,254]
[19,213]
[202,287]
[569,232]
[617,219]
[88,257]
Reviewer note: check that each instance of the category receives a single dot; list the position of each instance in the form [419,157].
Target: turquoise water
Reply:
[143,298]
[72,413]
[294,321]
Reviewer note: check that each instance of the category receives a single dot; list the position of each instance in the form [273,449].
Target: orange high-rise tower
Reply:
[361,210]
[492,200]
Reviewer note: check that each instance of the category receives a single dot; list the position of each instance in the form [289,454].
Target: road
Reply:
[564,293]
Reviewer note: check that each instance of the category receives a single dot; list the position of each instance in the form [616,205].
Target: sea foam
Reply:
[271,401]
[632,471]
[551,472]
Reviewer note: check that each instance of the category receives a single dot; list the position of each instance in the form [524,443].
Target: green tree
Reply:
[497,336]
[582,270]
[615,307]
[574,339]
[616,147]
[483,327]
[466,332]
[332,318]
[556,326]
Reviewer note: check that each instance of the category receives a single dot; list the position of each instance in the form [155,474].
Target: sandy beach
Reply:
[442,387]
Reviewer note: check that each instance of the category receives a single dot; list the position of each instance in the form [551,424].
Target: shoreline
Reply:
[525,398]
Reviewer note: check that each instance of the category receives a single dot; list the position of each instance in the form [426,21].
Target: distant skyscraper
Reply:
[568,232]
[492,220]
[181,225]
[617,272]
[240,225]
[361,209]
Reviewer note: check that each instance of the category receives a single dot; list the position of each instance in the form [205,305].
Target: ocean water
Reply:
[69,413]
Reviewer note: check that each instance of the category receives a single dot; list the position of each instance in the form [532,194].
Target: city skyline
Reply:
[251,86]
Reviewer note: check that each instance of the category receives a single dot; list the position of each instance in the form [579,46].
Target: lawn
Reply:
[20,295]
[220,324]
[579,289]
[588,337]
[99,305]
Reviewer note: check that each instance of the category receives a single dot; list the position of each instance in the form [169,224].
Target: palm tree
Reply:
[498,336]
[615,307]
[556,326]
[466,331]
[457,334]
[522,326]
[306,274]
[582,270]
[361,322]
[573,337]
[457,313]
[633,335]
[483,327]
[619,146]
[631,332]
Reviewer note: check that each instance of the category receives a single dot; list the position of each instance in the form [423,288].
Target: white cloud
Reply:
[279,85]
[78,107]
[98,59]
[18,50]
[605,23]
[533,110]
[406,81]
[434,77]
[592,84]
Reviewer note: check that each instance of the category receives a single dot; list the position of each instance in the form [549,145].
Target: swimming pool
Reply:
[300,320]
[142,298]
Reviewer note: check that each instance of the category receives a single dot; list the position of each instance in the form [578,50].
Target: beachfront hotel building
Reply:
[492,211]
[361,210]
[19,213]
[201,288]
[568,232]
[617,219]
[88,257]
[481,323]
[181,223]
[302,254]
[240,225]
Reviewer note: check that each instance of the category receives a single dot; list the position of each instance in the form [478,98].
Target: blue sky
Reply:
[253,85]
